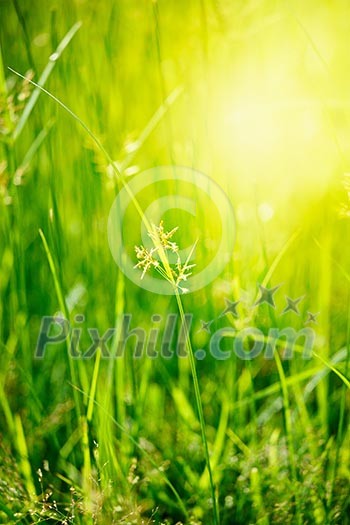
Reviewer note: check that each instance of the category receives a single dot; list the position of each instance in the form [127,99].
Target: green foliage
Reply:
[253,94]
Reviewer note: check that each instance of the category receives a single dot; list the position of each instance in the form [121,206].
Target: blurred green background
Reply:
[255,95]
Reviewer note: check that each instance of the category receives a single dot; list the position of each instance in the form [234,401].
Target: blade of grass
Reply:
[98,143]
[64,310]
[35,146]
[43,79]
[93,386]
[150,126]
[219,440]
[171,279]
[289,433]
[216,517]
[144,452]
[23,24]
[340,431]
[24,459]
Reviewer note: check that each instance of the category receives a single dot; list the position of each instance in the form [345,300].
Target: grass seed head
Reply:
[162,245]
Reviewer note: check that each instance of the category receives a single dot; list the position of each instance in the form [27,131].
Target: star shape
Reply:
[312,318]
[292,305]
[231,308]
[266,295]
[205,326]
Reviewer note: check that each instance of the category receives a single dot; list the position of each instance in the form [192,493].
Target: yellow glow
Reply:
[253,126]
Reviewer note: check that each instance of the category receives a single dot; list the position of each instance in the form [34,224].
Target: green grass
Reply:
[254,95]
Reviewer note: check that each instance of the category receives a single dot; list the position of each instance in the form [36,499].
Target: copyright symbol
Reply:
[165,190]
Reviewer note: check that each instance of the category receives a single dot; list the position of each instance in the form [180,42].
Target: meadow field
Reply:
[174,262]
